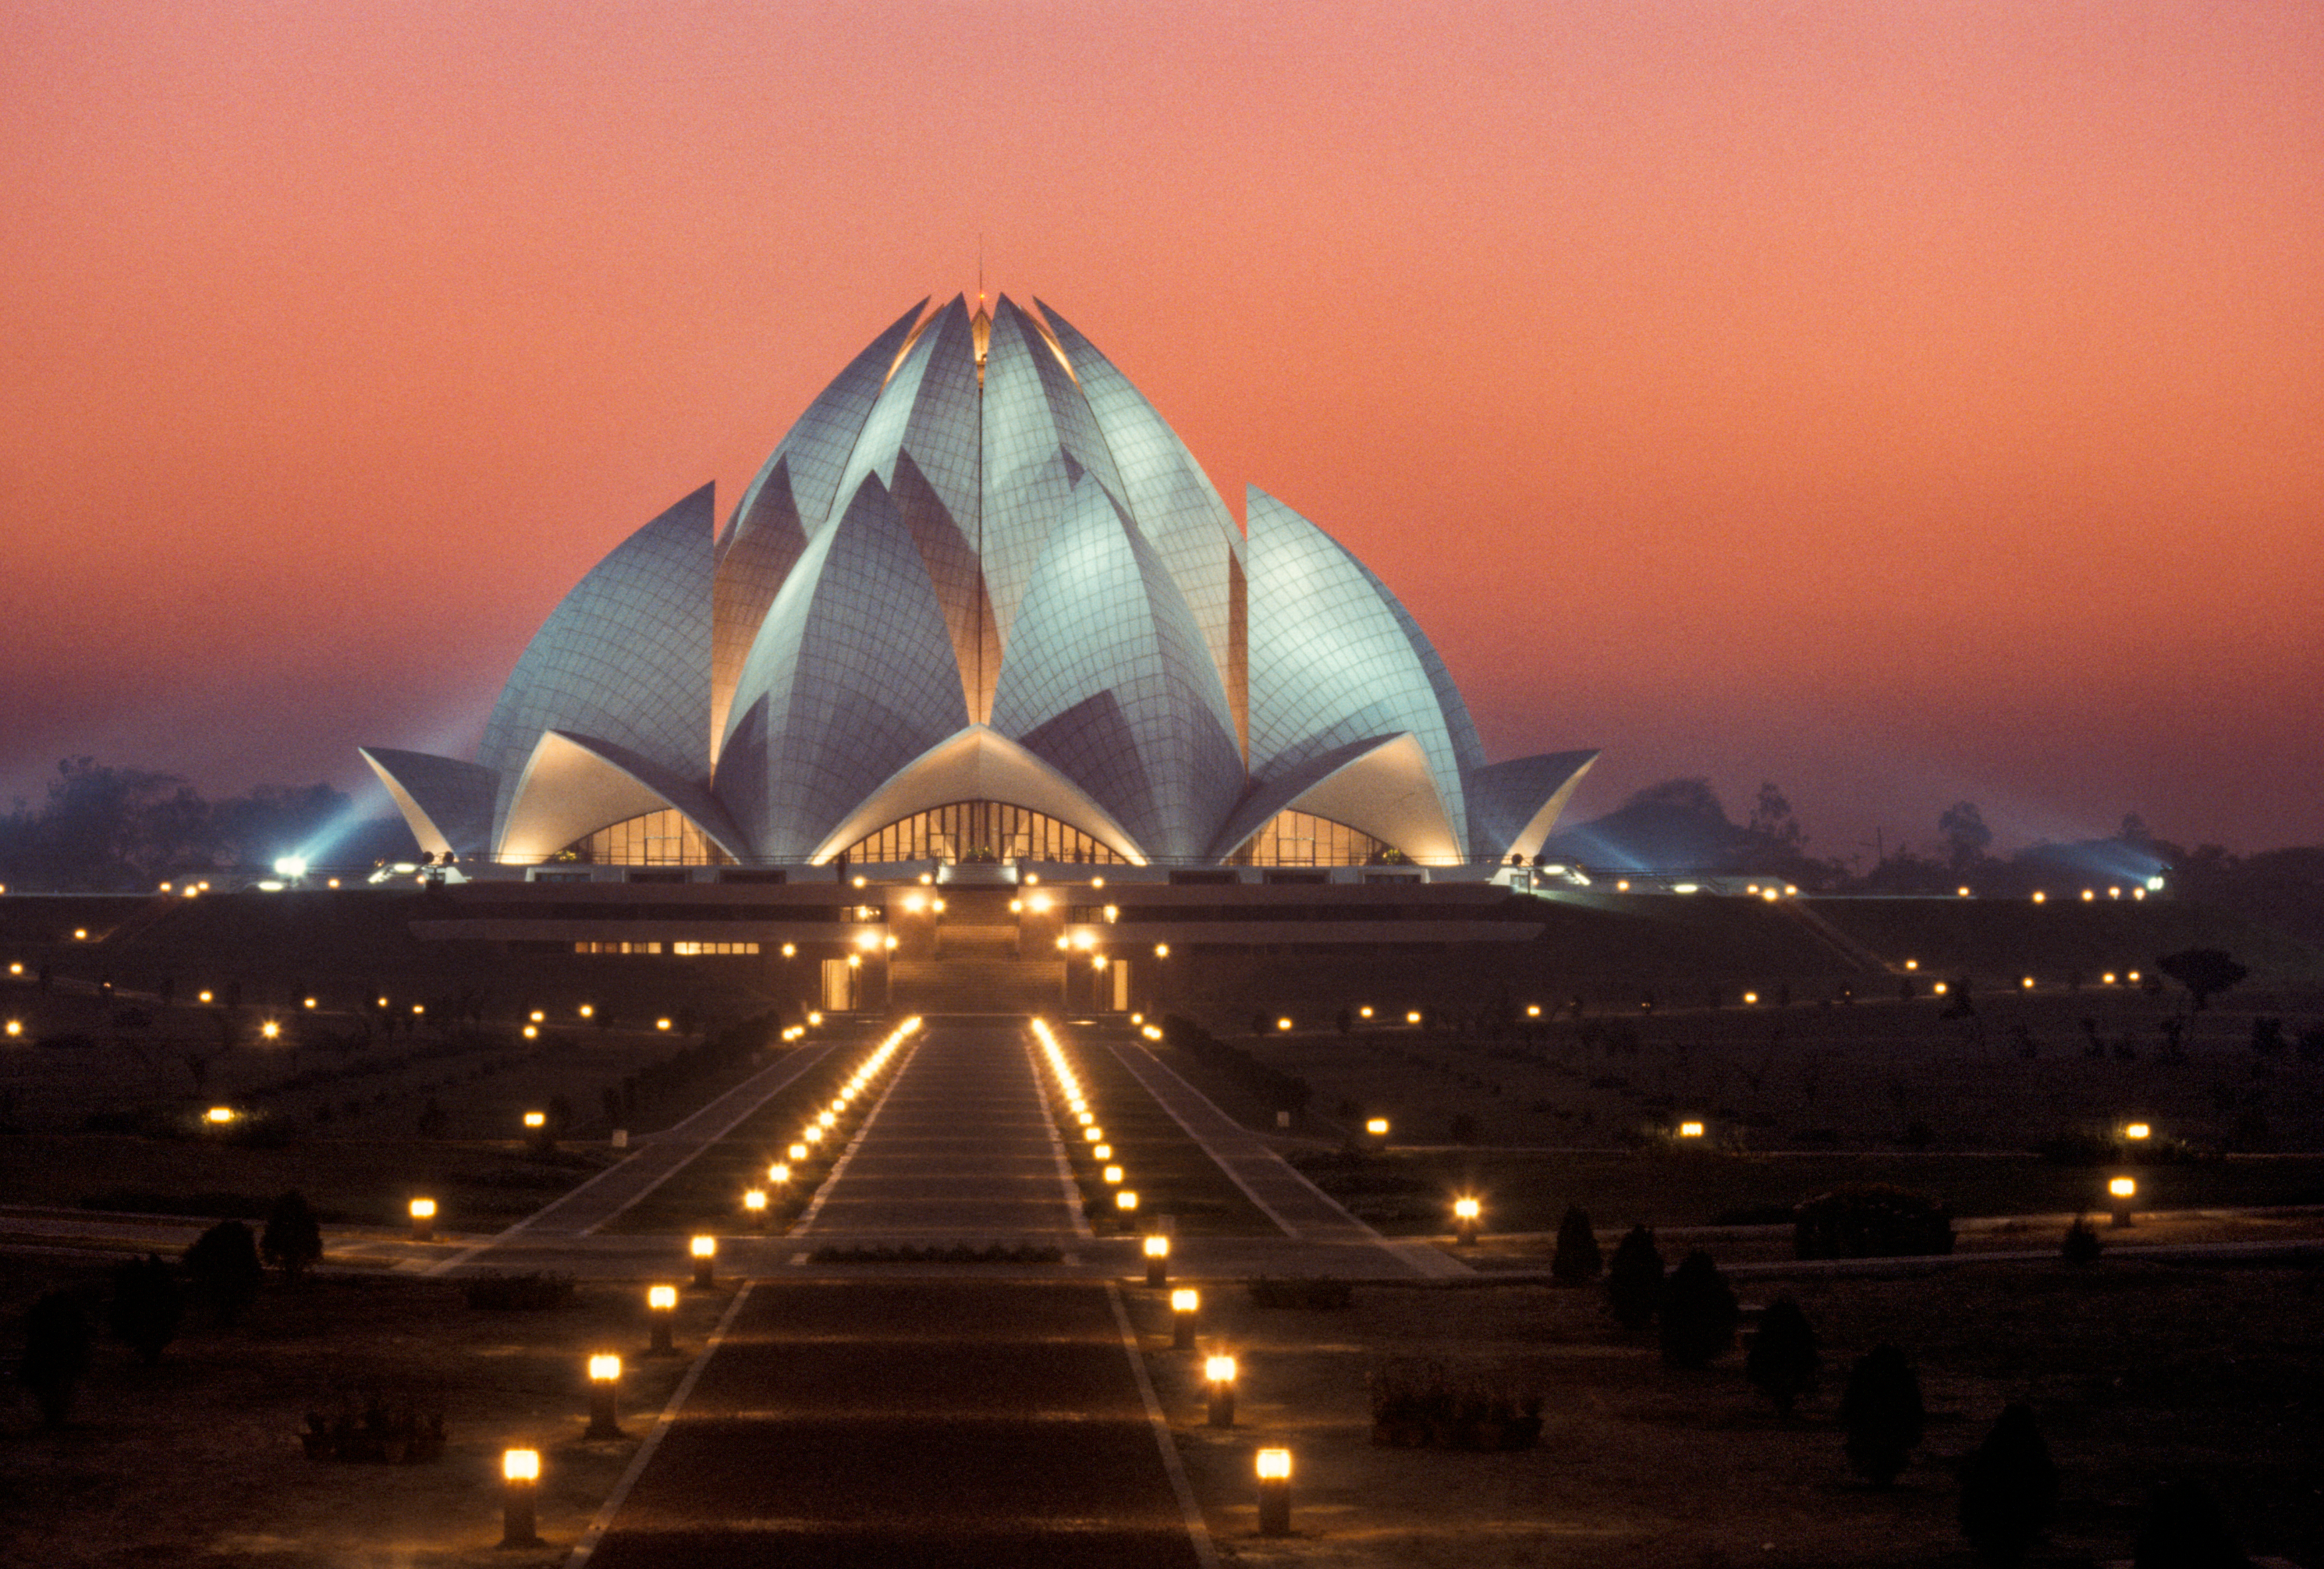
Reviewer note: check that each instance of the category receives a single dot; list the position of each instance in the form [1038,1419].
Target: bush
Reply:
[294,1239]
[2082,1244]
[1784,1359]
[2009,1488]
[528,1293]
[1871,1220]
[1634,1283]
[1579,1259]
[56,1354]
[223,1264]
[1697,1312]
[1321,1293]
[147,1307]
[1881,1411]
[1281,1091]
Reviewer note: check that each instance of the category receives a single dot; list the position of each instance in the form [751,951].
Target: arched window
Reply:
[1301,839]
[657,839]
[980,831]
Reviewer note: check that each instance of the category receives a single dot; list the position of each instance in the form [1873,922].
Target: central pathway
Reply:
[907,1422]
[960,1149]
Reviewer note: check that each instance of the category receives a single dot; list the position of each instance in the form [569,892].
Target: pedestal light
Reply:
[423,1219]
[661,1307]
[1219,1379]
[754,1205]
[1274,1467]
[1157,1259]
[2120,1191]
[1185,1304]
[1375,1129]
[2137,1130]
[1690,1129]
[705,1250]
[1465,1213]
[536,1121]
[1125,1207]
[520,1480]
[605,1384]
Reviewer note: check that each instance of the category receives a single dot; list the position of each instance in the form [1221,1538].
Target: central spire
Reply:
[979,327]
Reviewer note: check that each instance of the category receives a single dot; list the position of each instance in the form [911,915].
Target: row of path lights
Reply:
[1221,1370]
[804,1163]
[1083,1133]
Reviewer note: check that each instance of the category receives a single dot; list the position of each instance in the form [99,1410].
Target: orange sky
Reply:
[1903,402]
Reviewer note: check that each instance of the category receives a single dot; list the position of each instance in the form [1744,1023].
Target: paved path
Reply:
[960,1149]
[1305,1211]
[898,1423]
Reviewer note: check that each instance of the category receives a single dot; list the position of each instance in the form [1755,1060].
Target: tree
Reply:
[2205,972]
[1771,819]
[223,1264]
[1962,827]
[1697,1312]
[2184,1529]
[1634,1282]
[146,1307]
[56,1354]
[294,1239]
[1881,1411]
[2009,1489]
[1783,1358]
[1579,1259]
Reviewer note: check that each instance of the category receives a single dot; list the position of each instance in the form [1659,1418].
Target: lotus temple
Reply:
[979,608]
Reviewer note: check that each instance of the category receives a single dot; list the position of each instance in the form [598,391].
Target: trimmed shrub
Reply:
[1579,1259]
[1634,1282]
[2009,1489]
[2082,1244]
[1871,1220]
[1697,1312]
[292,1241]
[1882,1411]
[223,1264]
[1784,1359]
[146,1307]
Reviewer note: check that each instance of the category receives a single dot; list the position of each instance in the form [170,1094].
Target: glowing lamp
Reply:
[2026,982]
[1413,1017]
[860,881]
[519,1480]
[1185,1303]
[1466,1208]
[1690,1129]
[662,1308]
[1282,1024]
[1102,1152]
[1038,904]
[1097,962]
[1274,1468]
[2133,977]
[1126,1203]
[815,1019]
[423,1219]
[790,951]
[1377,1127]
[1962,892]
[755,1200]
[1219,1374]
[1090,1135]
[1750,998]
[537,1016]
[206,996]
[1113,1174]
[798,1153]
[218,1115]
[812,1133]
[2137,1131]
[2123,1188]
[2107,979]
[536,1119]
[81,934]
[1161,950]
[1912,964]
[1938,988]
[2039,898]
[1466,1213]
[15,1027]
[1151,1033]
[1157,1259]
[270,1030]
[705,1250]
[309,1002]
[661,1023]
[1532,1010]
[533,1032]
[1365,1011]
[778,1173]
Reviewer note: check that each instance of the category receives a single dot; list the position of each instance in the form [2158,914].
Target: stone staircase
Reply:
[961,983]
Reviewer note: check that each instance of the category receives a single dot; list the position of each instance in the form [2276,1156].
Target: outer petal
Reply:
[1513,806]
[852,677]
[979,764]
[574,786]
[1334,659]
[1176,507]
[625,656]
[789,500]
[448,803]
[1108,680]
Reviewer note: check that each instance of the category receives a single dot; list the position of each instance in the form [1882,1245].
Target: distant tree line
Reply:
[110,830]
